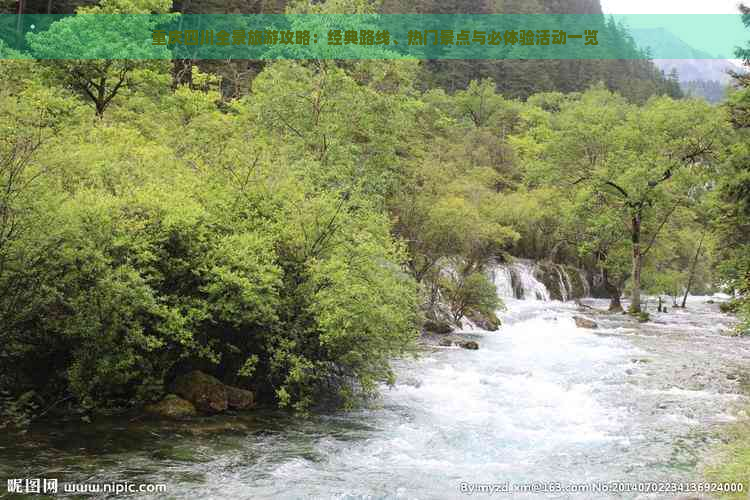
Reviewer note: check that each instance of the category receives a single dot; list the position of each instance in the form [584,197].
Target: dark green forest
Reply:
[635,77]
[290,227]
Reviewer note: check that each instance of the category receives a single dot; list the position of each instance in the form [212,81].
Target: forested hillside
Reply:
[636,77]
[295,236]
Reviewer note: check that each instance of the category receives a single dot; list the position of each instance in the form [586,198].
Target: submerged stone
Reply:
[173,407]
[469,344]
[582,322]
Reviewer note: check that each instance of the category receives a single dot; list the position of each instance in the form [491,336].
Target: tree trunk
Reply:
[614,293]
[21,7]
[635,299]
[614,304]
[182,73]
[692,270]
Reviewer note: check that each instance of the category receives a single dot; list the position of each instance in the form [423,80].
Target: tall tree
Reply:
[112,61]
[640,162]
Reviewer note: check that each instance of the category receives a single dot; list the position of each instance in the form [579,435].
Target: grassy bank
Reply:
[732,463]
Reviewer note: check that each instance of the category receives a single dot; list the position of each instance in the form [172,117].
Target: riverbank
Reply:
[732,461]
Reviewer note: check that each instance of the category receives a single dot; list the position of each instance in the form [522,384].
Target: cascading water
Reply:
[565,284]
[540,401]
[517,281]
[524,280]
[532,288]
[585,283]
[503,279]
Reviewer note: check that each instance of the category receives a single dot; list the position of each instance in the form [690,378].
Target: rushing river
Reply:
[541,400]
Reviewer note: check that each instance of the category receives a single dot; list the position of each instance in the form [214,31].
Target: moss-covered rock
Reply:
[548,274]
[578,288]
[489,322]
[239,399]
[173,407]
[207,393]
[437,326]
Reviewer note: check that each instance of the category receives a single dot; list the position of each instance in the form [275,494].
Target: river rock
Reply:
[469,344]
[437,326]
[207,393]
[173,407]
[489,322]
[239,399]
[584,322]
[459,342]
[183,454]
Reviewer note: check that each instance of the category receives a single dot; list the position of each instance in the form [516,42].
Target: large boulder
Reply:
[239,399]
[437,326]
[584,322]
[207,393]
[173,407]
[489,322]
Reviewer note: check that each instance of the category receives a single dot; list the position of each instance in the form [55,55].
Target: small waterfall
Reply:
[501,276]
[528,280]
[518,281]
[533,289]
[566,288]
[585,283]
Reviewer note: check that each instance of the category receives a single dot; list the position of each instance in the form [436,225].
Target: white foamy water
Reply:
[541,400]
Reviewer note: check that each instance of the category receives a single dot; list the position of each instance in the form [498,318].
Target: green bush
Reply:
[730,307]
[472,293]
[133,275]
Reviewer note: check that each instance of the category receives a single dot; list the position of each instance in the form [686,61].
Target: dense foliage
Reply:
[293,240]
[732,208]
[633,76]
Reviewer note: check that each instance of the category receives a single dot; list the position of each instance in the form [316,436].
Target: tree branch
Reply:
[618,188]
[664,221]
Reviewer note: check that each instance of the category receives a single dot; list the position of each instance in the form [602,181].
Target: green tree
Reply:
[639,163]
[112,63]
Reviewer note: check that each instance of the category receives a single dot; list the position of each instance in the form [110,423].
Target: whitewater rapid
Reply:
[541,400]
